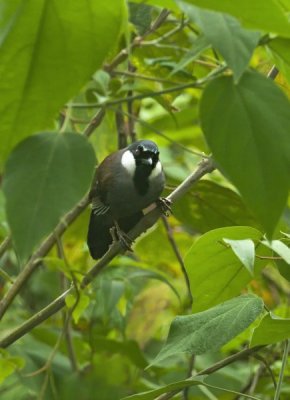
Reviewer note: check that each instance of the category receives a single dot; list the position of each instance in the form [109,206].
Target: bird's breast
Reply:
[124,198]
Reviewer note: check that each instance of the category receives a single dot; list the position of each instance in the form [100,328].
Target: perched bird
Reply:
[127,181]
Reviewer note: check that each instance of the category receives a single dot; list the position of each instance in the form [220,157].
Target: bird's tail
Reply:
[99,237]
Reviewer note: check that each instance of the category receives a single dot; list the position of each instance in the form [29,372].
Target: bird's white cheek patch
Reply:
[156,171]
[128,162]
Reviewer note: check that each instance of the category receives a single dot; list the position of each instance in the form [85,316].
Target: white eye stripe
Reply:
[128,162]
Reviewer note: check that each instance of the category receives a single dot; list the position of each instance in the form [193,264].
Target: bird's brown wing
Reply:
[105,175]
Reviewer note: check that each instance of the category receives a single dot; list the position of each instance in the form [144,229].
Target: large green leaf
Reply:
[215,272]
[226,35]
[255,15]
[159,3]
[211,329]
[209,206]
[247,128]
[48,50]
[44,177]
[272,329]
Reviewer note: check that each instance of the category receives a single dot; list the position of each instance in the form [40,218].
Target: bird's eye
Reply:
[140,149]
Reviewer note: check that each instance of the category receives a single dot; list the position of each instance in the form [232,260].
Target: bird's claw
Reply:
[118,235]
[165,205]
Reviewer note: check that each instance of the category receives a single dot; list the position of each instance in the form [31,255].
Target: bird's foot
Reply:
[165,205]
[118,235]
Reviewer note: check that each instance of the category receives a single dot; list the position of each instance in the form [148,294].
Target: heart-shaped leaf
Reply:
[247,128]
[44,177]
[48,50]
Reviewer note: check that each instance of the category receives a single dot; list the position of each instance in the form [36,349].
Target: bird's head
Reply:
[145,152]
[142,156]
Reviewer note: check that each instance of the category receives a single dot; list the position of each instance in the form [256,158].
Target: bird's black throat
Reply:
[141,178]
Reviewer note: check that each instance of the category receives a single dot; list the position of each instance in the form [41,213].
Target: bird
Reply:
[126,182]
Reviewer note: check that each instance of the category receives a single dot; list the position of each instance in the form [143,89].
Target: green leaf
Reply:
[279,48]
[153,394]
[9,364]
[108,292]
[272,329]
[209,206]
[214,271]
[283,251]
[211,329]
[127,348]
[199,45]
[280,248]
[243,143]
[139,273]
[226,35]
[78,303]
[170,4]
[252,15]
[45,176]
[48,50]
[58,264]
[140,16]
[245,251]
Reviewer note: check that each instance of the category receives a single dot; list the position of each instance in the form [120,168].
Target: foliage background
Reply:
[206,292]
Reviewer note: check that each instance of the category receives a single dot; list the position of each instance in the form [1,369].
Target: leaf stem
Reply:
[282,370]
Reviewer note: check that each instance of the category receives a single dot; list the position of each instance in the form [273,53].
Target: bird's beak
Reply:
[146,161]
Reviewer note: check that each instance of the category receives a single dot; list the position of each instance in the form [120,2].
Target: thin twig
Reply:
[179,257]
[217,366]
[158,132]
[145,77]
[255,379]
[206,166]
[4,246]
[230,359]
[123,55]
[94,122]
[267,367]
[66,316]
[170,33]
[120,125]
[273,73]
[189,375]
[131,122]
[281,375]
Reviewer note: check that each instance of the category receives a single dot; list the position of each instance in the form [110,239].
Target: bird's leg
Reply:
[165,205]
[118,234]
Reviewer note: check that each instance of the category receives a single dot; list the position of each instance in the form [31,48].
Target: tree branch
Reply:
[5,245]
[123,55]
[215,367]
[41,252]
[206,166]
